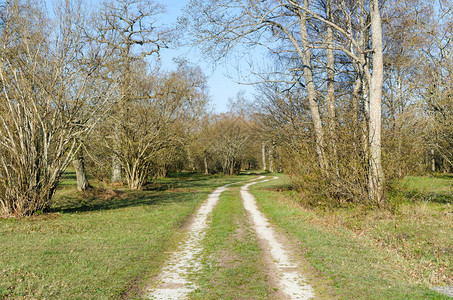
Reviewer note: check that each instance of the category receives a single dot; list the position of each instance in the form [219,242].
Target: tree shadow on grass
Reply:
[174,189]
[107,199]
[67,179]
[416,196]
[193,181]
[175,184]
[443,176]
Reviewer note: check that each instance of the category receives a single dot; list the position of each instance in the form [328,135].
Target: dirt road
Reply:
[176,280]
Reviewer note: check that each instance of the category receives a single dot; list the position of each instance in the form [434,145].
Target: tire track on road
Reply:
[289,281]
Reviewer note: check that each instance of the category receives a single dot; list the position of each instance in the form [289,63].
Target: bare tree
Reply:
[46,106]
[155,122]
[292,31]
[231,135]
[125,30]
[437,81]
[259,23]
[377,78]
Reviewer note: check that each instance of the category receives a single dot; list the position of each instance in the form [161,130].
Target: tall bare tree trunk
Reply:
[310,86]
[400,152]
[191,162]
[331,88]
[116,163]
[363,69]
[376,179]
[79,167]
[433,161]
[271,158]
[116,169]
[206,170]
[123,101]
[356,96]
[263,155]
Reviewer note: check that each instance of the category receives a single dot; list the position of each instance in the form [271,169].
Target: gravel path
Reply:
[289,280]
[173,282]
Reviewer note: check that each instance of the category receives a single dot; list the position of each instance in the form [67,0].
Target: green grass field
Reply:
[428,189]
[435,184]
[101,245]
[108,244]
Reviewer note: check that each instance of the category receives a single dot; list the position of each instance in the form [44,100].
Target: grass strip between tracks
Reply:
[232,259]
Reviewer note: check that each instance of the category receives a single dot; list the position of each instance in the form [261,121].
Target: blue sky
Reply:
[220,85]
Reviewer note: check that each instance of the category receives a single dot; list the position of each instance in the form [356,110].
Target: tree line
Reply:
[355,94]
[81,89]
